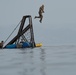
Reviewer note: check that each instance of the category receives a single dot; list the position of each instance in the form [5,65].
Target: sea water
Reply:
[49,60]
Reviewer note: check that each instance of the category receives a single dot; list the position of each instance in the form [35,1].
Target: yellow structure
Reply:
[38,44]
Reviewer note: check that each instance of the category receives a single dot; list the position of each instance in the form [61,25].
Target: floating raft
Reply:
[21,40]
[22,45]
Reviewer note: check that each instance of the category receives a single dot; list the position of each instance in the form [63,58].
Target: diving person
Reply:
[41,10]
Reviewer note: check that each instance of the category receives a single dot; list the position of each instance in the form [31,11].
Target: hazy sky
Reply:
[59,22]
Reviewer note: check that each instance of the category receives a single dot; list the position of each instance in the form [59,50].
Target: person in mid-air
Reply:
[41,10]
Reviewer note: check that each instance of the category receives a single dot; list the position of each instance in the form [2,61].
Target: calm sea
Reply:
[49,60]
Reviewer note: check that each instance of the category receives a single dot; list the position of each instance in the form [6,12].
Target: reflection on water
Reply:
[35,67]
[43,66]
[54,60]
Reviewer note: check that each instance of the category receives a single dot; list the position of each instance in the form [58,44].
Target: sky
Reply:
[59,20]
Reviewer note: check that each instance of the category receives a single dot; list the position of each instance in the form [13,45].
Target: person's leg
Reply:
[37,16]
[41,17]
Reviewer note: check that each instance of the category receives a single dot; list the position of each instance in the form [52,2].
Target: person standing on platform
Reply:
[1,44]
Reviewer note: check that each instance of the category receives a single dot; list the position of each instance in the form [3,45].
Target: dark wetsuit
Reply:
[41,10]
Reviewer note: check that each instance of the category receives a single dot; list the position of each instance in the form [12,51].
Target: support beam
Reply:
[18,36]
[22,24]
[32,33]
